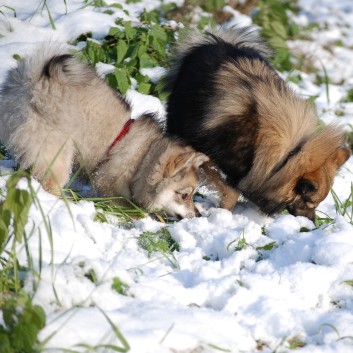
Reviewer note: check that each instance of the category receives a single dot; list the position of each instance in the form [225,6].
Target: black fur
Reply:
[291,154]
[54,61]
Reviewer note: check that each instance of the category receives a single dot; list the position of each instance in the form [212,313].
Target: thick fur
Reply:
[228,102]
[55,112]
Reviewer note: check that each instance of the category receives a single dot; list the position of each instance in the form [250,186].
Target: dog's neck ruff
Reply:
[122,133]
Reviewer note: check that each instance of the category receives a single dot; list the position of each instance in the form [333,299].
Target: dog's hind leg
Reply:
[52,167]
[229,195]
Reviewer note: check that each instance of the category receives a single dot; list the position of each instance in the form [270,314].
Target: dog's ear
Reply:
[200,159]
[182,163]
[175,164]
[341,156]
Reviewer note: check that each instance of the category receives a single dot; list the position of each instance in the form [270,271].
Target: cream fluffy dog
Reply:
[55,113]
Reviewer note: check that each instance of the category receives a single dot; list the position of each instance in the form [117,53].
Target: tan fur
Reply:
[57,115]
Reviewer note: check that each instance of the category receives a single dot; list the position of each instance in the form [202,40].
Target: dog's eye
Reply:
[184,196]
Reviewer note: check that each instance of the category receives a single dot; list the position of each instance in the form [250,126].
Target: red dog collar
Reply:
[122,133]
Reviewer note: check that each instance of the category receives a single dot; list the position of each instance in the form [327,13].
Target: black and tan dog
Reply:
[228,102]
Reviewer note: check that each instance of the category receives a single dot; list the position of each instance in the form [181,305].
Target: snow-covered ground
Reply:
[224,290]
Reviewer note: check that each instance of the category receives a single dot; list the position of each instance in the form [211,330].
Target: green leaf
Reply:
[267,247]
[125,345]
[114,31]
[159,33]
[19,202]
[117,6]
[142,78]
[5,346]
[159,39]
[348,282]
[141,50]
[279,29]
[5,218]
[129,30]
[146,61]
[119,286]
[122,79]
[144,88]
[16,205]
[121,51]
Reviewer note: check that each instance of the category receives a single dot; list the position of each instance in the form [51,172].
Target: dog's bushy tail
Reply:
[55,62]
[240,37]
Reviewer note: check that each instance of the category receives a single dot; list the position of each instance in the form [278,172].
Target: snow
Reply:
[241,281]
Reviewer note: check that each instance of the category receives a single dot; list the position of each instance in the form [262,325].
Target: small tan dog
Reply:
[55,113]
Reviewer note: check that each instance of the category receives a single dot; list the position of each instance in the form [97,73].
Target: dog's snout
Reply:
[306,212]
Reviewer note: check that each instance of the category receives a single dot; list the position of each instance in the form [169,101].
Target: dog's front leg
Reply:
[229,195]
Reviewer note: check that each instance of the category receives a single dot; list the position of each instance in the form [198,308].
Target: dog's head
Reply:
[303,176]
[313,186]
[172,181]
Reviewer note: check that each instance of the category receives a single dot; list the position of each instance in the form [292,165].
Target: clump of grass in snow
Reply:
[119,286]
[119,208]
[160,242]
[345,207]
[22,320]
[10,29]
[110,207]
[43,5]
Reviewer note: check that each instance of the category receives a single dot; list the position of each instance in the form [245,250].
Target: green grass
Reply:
[22,319]
[160,242]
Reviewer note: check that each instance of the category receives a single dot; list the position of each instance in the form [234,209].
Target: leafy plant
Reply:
[119,286]
[240,243]
[160,242]
[14,209]
[22,322]
[272,16]
[345,207]
[131,48]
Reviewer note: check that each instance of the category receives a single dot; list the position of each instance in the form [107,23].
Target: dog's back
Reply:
[33,95]
[198,66]
[52,98]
